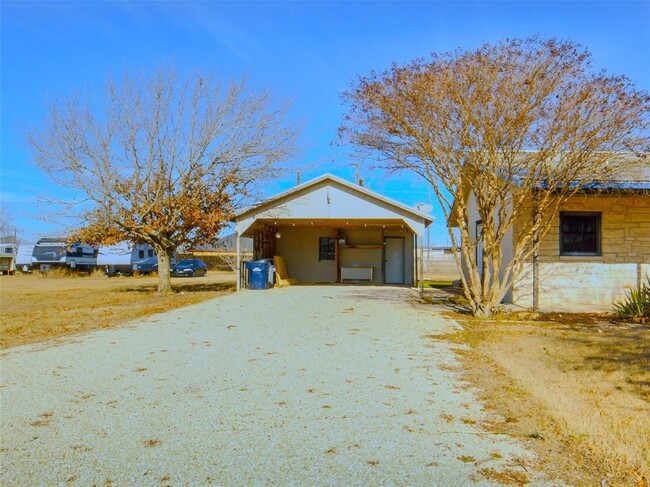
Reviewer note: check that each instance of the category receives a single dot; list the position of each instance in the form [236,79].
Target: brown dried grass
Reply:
[576,388]
[35,308]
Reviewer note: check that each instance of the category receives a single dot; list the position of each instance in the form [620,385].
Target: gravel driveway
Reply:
[295,386]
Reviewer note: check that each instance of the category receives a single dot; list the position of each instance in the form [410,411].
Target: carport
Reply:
[329,230]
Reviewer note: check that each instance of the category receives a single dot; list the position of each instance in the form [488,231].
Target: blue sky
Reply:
[307,51]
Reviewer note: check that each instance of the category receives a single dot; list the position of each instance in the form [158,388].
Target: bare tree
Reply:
[229,259]
[4,222]
[164,160]
[8,232]
[521,125]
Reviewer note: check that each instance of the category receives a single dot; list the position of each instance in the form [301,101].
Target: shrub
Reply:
[636,304]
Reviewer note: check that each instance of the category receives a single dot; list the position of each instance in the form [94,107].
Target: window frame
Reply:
[599,233]
[330,252]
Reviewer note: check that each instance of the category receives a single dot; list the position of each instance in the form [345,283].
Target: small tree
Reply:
[521,125]
[164,161]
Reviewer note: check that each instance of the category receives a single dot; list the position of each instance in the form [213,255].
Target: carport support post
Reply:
[238,246]
[421,265]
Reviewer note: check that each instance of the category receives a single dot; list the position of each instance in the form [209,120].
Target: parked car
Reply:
[189,268]
[146,266]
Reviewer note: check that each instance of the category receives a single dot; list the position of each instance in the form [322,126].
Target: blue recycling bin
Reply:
[258,274]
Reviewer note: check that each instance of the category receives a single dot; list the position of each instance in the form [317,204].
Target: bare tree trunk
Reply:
[164,268]
[535,254]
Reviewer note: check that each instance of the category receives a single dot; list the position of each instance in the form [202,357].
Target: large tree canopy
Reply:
[164,160]
[520,123]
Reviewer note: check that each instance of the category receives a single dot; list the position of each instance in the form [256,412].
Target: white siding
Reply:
[329,200]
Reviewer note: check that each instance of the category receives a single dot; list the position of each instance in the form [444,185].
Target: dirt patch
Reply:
[35,309]
[575,388]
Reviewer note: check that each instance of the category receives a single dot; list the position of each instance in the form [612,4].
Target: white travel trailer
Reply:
[48,253]
[120,258]
[24,257]
[8,253]
[81,257]
[57,252]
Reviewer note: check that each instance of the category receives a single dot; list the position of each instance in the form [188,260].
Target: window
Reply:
[580,233]
[150,253]
[326,248]
[140,254]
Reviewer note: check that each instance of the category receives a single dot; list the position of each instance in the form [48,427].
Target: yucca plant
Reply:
[636,304]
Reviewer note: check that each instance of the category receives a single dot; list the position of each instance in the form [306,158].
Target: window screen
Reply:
[580,233]
[326,248]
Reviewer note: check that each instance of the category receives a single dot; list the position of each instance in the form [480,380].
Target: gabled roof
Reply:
[428,219]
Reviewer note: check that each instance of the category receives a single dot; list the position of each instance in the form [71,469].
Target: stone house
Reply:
[598,246]
[329,230]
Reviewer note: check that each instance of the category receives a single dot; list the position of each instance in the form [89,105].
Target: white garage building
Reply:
[329,230]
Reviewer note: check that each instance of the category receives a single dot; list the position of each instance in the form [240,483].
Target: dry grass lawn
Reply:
[35,308]
[575,388]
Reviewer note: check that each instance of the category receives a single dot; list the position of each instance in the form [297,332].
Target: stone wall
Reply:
[593,280]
